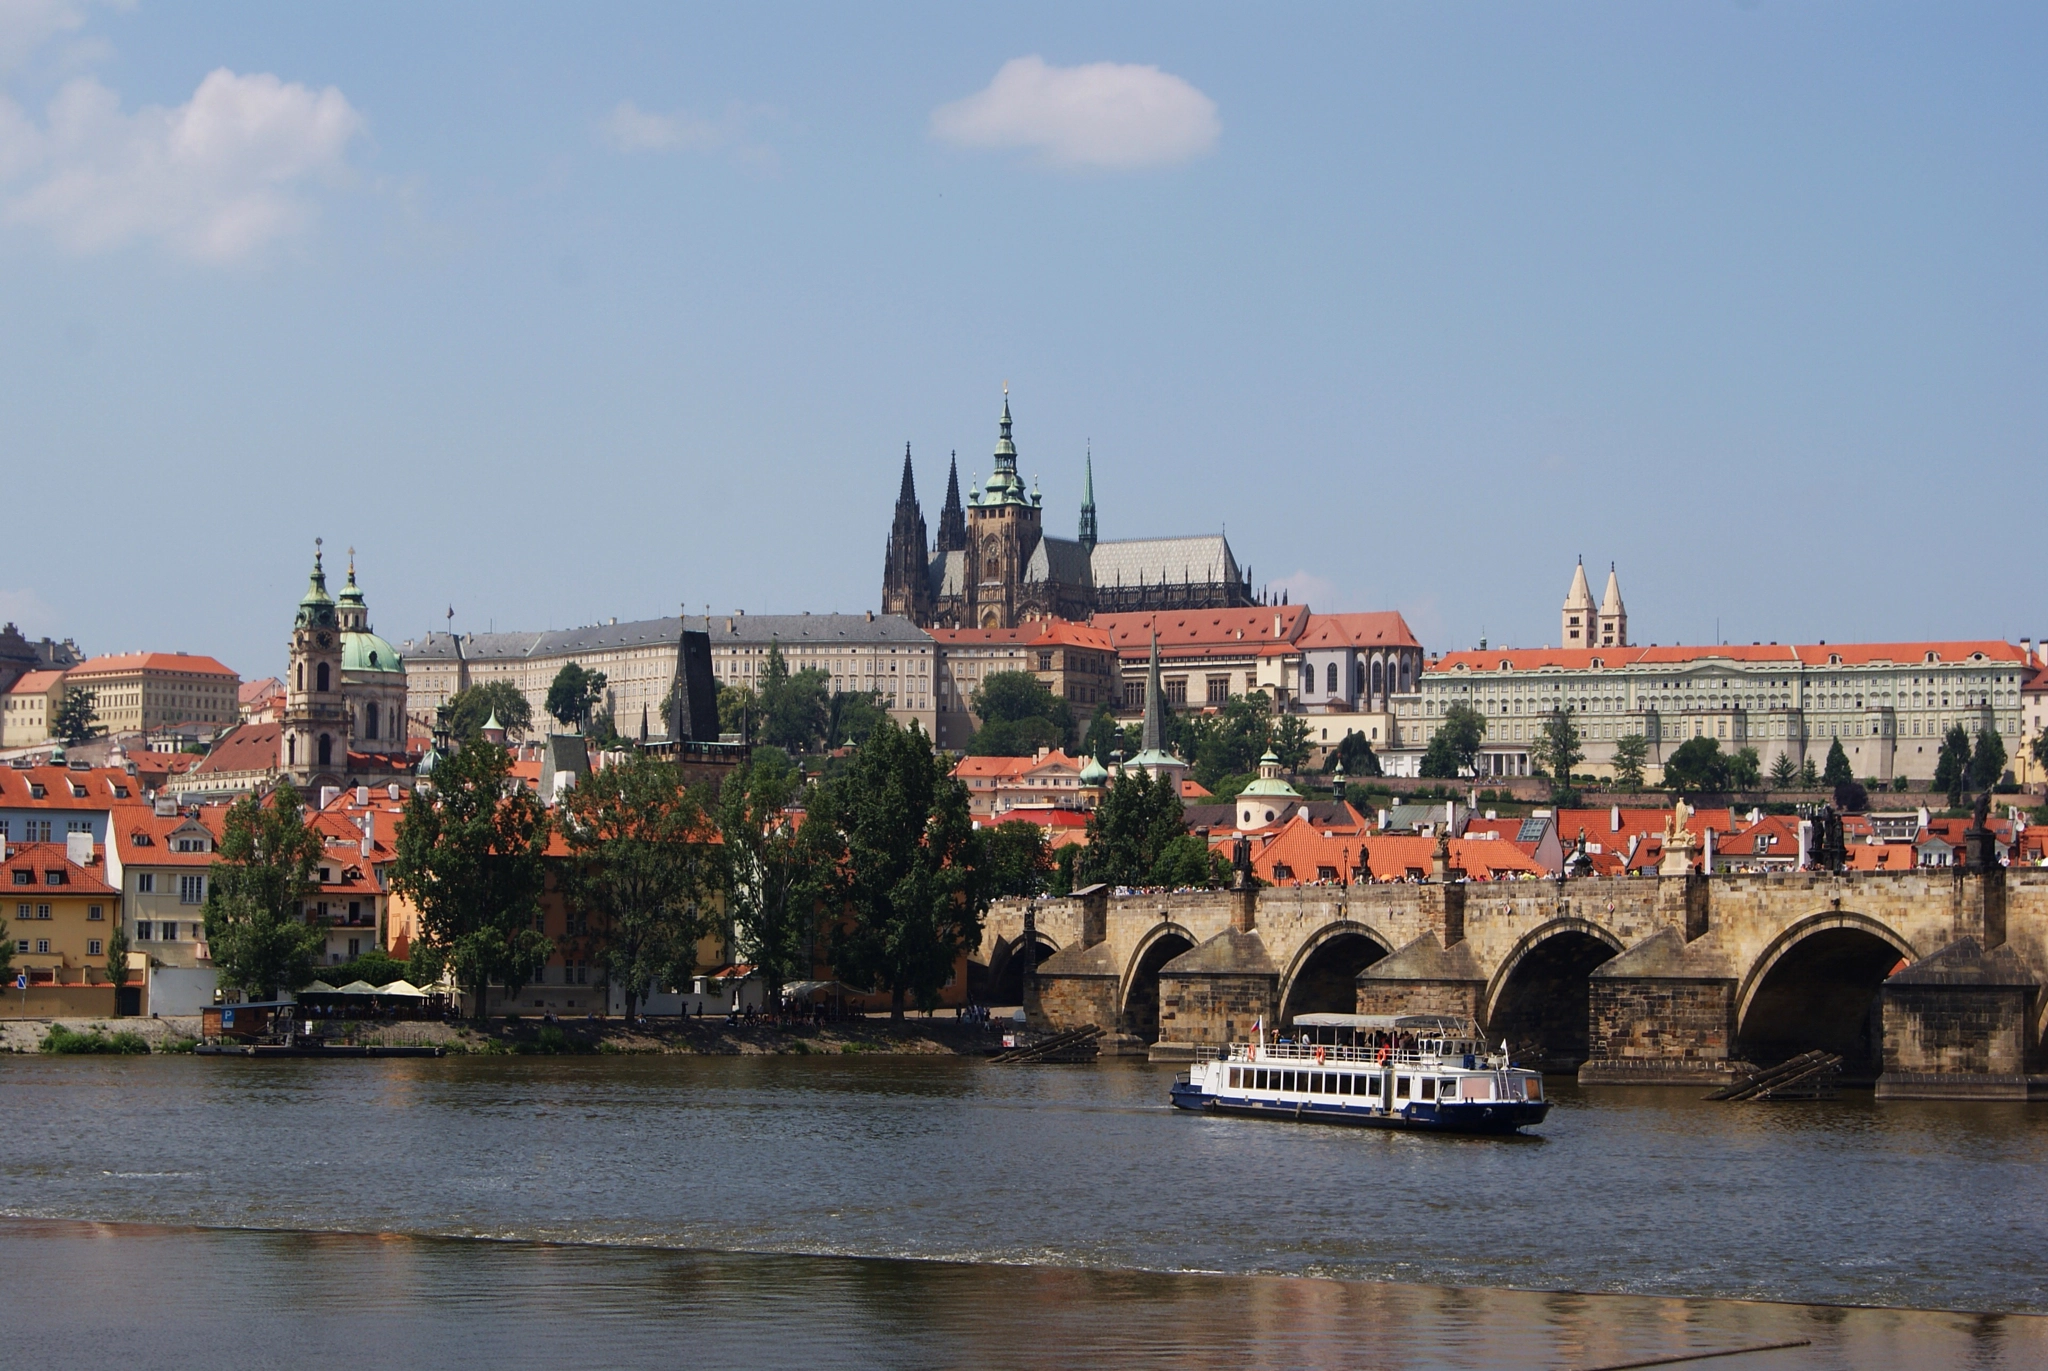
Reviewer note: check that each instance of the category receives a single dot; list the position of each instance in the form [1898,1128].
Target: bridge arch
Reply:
[1138,1002]
[1005,985]
[1539,997]
[1323,976]
[1815,986]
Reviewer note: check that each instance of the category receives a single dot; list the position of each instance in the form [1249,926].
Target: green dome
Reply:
[1271,785]
[362,650]
[1093,772]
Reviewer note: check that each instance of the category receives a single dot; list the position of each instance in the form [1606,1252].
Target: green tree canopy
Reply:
[1188,860]
[738,709]
[1130,828]
[774,868]
[574,694]
[470,860]
[1809,775]
[1356,753]
[1016,858]
[1745,769]
[1631,751]
[855,715]
[1013,738]
[469,710]
[900,866]
[1019,715]
[1104,737]
[644,864]
[1987,760]
[1784,772]
[1289,740]
[1229,742]
[1454,748]
[117,956]
[1952,765]
[1697,765]
[2039,747]
[258,885]
[1557,749]
[1837,769]
[795,711]
[77,719]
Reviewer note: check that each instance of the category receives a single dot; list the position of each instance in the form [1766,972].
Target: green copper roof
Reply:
[1093,772]
[1004,487]
[365,651]
[318,606]
[1271,785]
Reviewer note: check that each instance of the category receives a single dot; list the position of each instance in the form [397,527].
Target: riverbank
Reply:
[531,1037]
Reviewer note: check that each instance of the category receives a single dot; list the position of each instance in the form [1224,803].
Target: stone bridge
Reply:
[1656,979]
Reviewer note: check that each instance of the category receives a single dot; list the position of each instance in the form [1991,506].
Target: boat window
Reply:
[1372,1086]
[1448,1090]
[1429,1087]
[1344,1085]
[1532,1087]
[1234,1076]
[1400,1087]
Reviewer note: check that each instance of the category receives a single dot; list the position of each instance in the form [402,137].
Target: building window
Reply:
[1045,661]
[93,947]
[1134,694]
[145,931]
[42,944]
[145,883]
[320,677]
[370,716]
[53,878]
[191,890]
[1330,680]
[94,913]
[1177,691]
[1219,690]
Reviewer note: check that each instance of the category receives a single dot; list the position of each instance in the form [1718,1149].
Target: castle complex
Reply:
[993,566]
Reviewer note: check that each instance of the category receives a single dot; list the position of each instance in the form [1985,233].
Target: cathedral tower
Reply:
[953,518]
[1002,533]
[1576,620]
[906,566]
[1088,505]
[1613,617]
[313,742]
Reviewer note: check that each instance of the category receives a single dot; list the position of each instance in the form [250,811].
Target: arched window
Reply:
[1330,680]
[1358,678]
[1308,679]
[1378,678]
[326,750]
[320,678]
[302,675]
[370,720]
[291,750]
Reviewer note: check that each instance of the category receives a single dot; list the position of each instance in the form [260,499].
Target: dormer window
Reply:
[141,840]
[77,791]
[36,791]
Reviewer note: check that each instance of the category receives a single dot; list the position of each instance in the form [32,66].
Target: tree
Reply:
[1357,756]
[1129,830]
[900,863]
[1189,861]
[1631,751]
[1013,738]
[1784,771]
[738,709]
[644,863]
[469,859]
[1016,858]
[6,950]
[1065,862]
[773,868]
[1952,765]
[1697,765]
[1745,769]
[1987,760]
[1015,696]
[1454,749]
[258,885]
[794,711]
[1809,775]
[574,694]
[117,957]
[1851,797]
[1104,737]
[1837,769]
[1230,742]
[1557,749]
[2040,749]
[855,714]
[469,710]
[1289,740]
[78,718]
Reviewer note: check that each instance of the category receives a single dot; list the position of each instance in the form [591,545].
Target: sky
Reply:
[562,313]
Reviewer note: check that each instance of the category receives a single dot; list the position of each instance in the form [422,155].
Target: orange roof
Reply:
[246,747]
[1036,633]
[1880,856]
[1057,759]
[39,859]
[1194,790]
[1045,816]
[35,683]
[1305,851]
[103,786]
[142,837]
[254,692]
[150,661]
[1382,628]
[1245,629]
[1818,654]
[1648,822]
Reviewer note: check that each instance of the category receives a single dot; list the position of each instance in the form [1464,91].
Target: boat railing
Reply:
[1325,1054]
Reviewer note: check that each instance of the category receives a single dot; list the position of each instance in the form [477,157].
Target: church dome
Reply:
[1094,772]
[362,650]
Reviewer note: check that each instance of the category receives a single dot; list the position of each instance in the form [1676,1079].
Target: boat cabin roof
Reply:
[1441,1024]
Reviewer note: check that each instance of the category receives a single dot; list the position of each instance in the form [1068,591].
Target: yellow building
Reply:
[28,708]
[60,915]
[137,691]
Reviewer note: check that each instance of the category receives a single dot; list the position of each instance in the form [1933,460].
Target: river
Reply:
[881,1210]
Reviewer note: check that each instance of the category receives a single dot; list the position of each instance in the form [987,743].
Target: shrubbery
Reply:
[69,1042]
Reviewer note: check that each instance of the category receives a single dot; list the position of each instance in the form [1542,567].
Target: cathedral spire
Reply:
[1088,502]
[1004,487]
[953,519]
[1153,735]
[908,493]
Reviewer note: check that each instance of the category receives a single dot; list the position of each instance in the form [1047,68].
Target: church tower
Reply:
[953,518]
[1088,505]
[906,566]
[1613,617]
[313,742]
[1002,533]
[1576,621]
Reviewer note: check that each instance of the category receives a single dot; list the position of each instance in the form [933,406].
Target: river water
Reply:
[938,1211]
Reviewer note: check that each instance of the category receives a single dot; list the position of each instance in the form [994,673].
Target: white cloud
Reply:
[1105,114]
[216,178]
[1307,588]
[628,128]
[26,25]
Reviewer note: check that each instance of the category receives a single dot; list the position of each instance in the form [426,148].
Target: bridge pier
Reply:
[1661,1013]
[1425,977]
[1211,996]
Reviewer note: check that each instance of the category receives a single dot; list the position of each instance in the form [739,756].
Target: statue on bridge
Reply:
[1241,861]
[1676,834]
[1831,850]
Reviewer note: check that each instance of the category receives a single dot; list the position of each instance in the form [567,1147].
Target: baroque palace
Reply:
[993,566]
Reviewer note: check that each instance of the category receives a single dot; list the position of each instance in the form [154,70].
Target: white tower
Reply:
[1577,620]
[1613,616]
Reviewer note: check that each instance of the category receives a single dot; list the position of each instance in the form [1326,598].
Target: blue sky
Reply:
[558,314]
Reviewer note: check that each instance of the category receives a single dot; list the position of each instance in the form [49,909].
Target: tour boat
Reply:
[1420,1071]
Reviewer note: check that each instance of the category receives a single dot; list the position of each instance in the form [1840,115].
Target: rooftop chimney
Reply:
[78,848]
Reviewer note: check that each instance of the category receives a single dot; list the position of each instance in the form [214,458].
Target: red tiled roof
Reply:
[247,747]
[1304,849]
[1880,856]
[1245,629]
[149,661]
[104,786]
[1191,789]
[1382,628]
[978,767]
[42,858]
[1648,822]
[1036,633]
[142,837]
[253,692]
[35,683]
